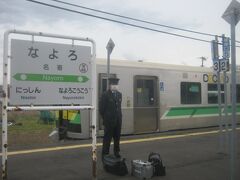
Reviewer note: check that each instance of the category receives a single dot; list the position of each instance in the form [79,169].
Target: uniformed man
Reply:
[110,110]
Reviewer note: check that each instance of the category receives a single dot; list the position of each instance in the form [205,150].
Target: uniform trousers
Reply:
[109,133]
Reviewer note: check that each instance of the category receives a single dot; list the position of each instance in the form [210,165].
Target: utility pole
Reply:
[203,59]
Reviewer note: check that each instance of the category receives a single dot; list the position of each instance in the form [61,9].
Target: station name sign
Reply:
[44,73]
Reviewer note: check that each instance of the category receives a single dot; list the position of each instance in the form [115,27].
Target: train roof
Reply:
[153,65]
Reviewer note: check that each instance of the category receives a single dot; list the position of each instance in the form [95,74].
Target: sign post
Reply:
[226,56]
[110,46]
[232,16]
[4,108]
[48,76]
[217,69]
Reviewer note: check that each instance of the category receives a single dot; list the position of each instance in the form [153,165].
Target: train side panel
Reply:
[171,112]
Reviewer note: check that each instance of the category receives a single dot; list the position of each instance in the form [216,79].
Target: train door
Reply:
[145,104]
[102,88]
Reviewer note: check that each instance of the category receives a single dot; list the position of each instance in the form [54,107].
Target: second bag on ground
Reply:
[142,169]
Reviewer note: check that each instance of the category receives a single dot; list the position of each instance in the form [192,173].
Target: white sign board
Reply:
[232,10]
[214,50]
[226,48]
[221,65]
[45,73]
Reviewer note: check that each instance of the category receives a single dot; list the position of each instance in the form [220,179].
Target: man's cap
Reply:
[113,81]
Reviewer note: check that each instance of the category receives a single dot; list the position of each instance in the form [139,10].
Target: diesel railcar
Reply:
[161,97]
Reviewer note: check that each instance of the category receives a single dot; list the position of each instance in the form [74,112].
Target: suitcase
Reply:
[142,169]
[158,167]
[114,165]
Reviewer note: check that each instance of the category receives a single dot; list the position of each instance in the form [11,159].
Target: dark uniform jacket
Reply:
[110,108]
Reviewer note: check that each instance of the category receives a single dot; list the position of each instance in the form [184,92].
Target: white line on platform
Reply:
[59,148]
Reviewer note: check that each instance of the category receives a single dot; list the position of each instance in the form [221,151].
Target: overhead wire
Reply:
[125,23]
[134,19]
[138,20]
[116,21]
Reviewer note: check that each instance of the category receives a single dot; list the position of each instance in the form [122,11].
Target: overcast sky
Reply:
[130,43]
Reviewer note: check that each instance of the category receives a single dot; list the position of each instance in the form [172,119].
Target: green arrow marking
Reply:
[50,78]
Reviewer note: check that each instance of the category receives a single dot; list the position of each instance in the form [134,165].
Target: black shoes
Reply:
[117,155]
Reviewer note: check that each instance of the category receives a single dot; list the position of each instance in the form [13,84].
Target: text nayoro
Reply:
[52,78]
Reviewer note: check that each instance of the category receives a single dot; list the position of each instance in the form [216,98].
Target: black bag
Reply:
[115,165]
[158,168]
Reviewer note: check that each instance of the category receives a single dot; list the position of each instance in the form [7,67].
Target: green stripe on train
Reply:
[76,119]
[195,111]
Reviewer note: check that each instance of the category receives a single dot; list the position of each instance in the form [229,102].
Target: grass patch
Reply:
[29,123]
[28,129]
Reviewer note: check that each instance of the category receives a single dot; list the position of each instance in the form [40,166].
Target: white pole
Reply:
[226,110]
[233,72]
[108,68]
[110,46]
[35,108]
[94,113]
[226,121]
[232,16]
[219,103]
[4,107]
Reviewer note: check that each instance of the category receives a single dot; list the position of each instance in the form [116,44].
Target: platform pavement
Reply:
[192,157]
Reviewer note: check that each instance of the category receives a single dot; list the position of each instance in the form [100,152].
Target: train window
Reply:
[237,93]
[213,93]
[190,93]
[145,92]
